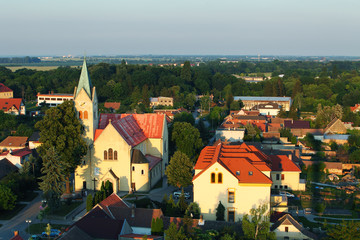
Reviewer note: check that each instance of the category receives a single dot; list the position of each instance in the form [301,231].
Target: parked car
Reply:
[307,210]
[289,195]
[34,237]
[177,194]
[53,233]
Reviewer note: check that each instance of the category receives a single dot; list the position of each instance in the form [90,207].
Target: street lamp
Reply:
[28,221]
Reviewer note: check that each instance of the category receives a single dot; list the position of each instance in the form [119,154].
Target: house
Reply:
[252,101]
[286,227]
[6,92]
[16,236]
[170,113]
[112,106]
[53,99]
[17,157]
[336,126]
[227,173]
[235,133]
[161,101]
[34,140]
[129,150]
[6,167]
[258,121]
[356,108]
[268,109]
[285,174]
[13,142]
[13,106]
[300,128]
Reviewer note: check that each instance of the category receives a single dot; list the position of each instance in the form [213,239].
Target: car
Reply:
[317,187]
[34,237]
[53,233]
[177,194]
[289,195]
[307,210]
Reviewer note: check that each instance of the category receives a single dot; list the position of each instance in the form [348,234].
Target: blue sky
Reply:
[226,27]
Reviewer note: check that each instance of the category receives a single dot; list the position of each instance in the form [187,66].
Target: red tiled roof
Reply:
[113,200]
[140,236]
[14,141]
[153,161]
[4,88]
[243,161]
[113,105]
[7,103]
[283,163]
[130,130]
[97,133]
[296,124]
[355,107]
[16,237]
[21,152]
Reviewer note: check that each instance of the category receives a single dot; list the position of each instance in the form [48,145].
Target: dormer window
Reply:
[237,173]
[250,173]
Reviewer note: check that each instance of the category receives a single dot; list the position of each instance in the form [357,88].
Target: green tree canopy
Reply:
[7,198]
[345,230]
[187,138]
[179,171]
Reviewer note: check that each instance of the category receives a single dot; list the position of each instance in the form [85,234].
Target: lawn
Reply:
[65,209]
[9,214]
[331,220]
[309,224]
[38,228]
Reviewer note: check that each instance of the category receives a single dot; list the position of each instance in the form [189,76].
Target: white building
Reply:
[54,99]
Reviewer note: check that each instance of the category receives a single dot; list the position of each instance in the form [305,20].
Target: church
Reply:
[129,150]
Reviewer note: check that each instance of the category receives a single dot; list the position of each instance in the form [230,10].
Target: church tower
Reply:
[86,105]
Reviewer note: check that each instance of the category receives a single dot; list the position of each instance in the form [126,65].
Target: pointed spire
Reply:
[84,81]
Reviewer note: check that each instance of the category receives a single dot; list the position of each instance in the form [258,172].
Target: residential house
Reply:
[16,236]
[170,113]
[268,109]
[53,99]
[6,92]
[17,157]
[227,173]
[13,106]
[161,101]
[300,128]
[112,106]
[13,143]
[129,150]
[252,101]
[6,167]
[356,108]
[336,126]
[34,140]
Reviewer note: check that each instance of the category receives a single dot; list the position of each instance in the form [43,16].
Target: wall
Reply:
[291,180]
[230,135]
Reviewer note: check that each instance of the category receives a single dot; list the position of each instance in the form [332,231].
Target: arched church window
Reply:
[212,179]
[115,155]
[105,155]
[219,177]
[80,114]
[110,154]
[85,115]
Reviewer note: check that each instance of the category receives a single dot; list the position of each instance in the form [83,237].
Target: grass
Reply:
[30,106]
[38,228]
[309,224]
[37,68]
[331,220]
[9,214]
[65,209]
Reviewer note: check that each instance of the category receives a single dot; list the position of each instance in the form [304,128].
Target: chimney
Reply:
[16,233]
[133,211]
[52,91]
[290,156]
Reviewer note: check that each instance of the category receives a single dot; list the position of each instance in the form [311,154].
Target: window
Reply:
[110,154]
[282,176]
[219,177]
[276,186]
[80,115]
[250,173]
[105,155]
[231,196]
[115,155]
[231,215]
[133,168]
[85,115]
[277,176]
[286,229]
[212,178]
[286,187]
[238,173]
[142,172]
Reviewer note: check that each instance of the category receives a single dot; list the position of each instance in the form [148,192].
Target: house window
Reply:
[231,196]
[110,154]
[105,155]
[115,155]
[231,215]
[142,172]
[250,173]
[80,114]
[286,229]
[282,176]
[277,176]
[85,115]
[219,177]
[212,180]
[276,186]
[286,187]
[133,168]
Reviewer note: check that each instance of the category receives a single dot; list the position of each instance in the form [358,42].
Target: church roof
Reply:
[84,81]
[130,130]
[138,157]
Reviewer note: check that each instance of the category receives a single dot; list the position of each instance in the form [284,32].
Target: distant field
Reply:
[37,68]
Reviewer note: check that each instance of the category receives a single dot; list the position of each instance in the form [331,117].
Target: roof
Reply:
[178,221]
[6,167]
[268,105]
[21,152]
[7,103]
[16,237]
[130,130]
[287,219]
[97,133]
[355,107]
[256,98]
[142,216]
[4,88]
[55,95]
[335,126]
[138,157]
[283,163]
[113,105]
[244,162]
[296,124]
[35,137]
[113,200]
[14,141]
[75,233]
[84,81]
[141,236]
[153,161]
[337,136]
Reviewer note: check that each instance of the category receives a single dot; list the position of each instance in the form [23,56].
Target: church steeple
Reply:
[84,81]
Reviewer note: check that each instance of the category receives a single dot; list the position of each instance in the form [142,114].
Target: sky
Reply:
[182,27]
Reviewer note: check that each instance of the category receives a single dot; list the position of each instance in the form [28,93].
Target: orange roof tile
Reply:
[97,133]
[283,163]
[113,201]
[14,141]
[113,105]
[4,88]
[7,103]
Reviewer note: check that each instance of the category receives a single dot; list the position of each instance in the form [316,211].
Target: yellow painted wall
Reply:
[208,195]
[140,175]
[293,233]
[6,94]
[291,179]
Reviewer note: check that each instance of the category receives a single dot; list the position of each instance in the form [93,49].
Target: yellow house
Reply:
[129,150]
[285,174]
[236,175]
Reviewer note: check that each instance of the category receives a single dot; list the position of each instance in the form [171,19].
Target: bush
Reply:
[220,212]
[320,207]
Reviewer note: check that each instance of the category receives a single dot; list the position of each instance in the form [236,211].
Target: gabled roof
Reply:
[283,163]
[288,220]
[21,152]
[14,141]
[296,124]
[335,126]
[7,103]
[130,130]
[35,137]
[244,162]
[113,201]
[4,88]
[153,161]
[6,167]
[113,105]
[75,233]
[84,81]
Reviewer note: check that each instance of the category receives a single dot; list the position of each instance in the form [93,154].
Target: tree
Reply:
[157,227]
[186,72]
[53,178]
[193,210]
[220,212]
[173,233]
[179,171]
[89,202]
[182,204]
[48,230]
[184,117]
[257,225]
[187,138]
[7,198]
[62,130]
[343,231]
